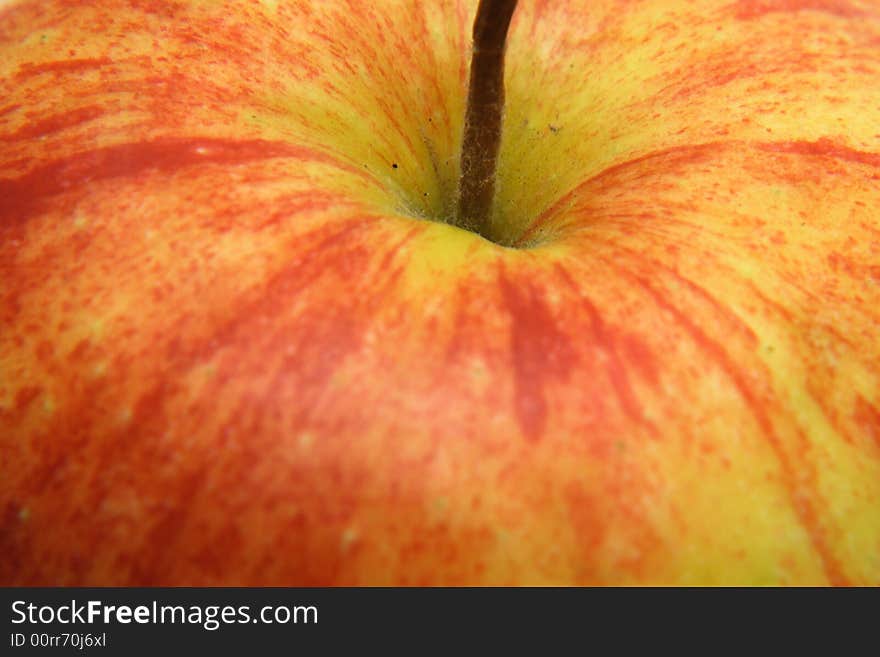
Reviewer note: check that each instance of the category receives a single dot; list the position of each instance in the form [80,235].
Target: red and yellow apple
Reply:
[239,344]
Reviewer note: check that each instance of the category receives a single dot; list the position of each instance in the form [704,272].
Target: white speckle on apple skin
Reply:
[125,415]
[349,536]
[49,405]
[306,440]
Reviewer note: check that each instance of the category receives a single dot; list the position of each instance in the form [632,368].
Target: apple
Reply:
[242,341]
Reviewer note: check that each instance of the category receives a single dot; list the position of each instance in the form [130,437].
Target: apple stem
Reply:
[482,123]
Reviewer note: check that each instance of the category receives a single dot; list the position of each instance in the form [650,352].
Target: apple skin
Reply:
[233,352]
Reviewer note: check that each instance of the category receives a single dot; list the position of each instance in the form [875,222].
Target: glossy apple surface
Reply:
[235,350]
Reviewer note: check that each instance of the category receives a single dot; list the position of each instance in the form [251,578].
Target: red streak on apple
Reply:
[22,197]
[65,67]
[611,344]
[868,418]
[824,148]
[754,9]
[541,352]
[8,109]
[55,123]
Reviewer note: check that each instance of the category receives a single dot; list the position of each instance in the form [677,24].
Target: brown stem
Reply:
[482,124]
